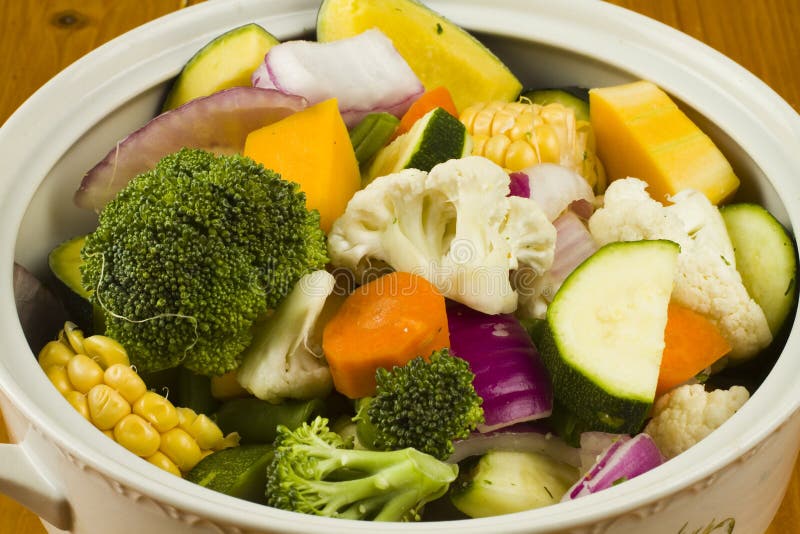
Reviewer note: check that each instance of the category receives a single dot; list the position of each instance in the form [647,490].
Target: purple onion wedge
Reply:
[625,459]
[219,123]
[519,185]
[509,374]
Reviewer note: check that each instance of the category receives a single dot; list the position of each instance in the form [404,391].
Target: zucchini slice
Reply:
[605,333]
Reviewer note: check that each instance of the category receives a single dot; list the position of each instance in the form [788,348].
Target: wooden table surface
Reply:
[38,38]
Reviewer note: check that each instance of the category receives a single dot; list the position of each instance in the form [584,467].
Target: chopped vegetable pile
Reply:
[378,281]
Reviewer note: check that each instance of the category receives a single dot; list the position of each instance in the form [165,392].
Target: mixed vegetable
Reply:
[379,279]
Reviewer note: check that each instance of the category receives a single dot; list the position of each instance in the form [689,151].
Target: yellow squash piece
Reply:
[438,51]
[313,148]
[642,133]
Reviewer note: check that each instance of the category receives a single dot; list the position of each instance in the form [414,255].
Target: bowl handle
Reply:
[25,482]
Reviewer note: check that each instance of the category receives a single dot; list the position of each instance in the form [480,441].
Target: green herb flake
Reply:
[439,29]
[619,481]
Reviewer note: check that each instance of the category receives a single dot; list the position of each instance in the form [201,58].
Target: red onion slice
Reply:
[509,374]
[365,73]
[519,185]
[625,459]
[219,122]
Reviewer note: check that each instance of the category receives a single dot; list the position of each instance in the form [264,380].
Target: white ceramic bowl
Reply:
[78,480]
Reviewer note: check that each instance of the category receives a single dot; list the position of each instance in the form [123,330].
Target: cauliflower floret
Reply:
[285,359]
[689,413]
[455,226]
[707,280]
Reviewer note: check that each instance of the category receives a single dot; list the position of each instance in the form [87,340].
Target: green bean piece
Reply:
[257,421]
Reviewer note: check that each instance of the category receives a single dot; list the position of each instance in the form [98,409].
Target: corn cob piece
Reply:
[517,135]
[95,376]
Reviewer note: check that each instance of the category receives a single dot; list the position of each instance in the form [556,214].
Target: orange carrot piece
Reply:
[691,343]
[438,97]
[384,323]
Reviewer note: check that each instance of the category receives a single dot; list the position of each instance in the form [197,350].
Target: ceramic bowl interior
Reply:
[75,119]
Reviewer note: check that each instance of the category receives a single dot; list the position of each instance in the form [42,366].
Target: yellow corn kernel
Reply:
[205,453]
[159,459]
[157,410]
[226,386]
[520,155]
[503,121]
[109,434]
[125,380]
[79,402]
[74,337]
[548,143]
[524,124]
[106,406]
[84,373]
[59,377]
[181,448]
[186,417]
[137,435]
[105,351]
[496,147]
[205,432]
[479,144]
[55,353]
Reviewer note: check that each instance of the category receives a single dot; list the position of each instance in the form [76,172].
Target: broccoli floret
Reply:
[188,255]
[422,405]
[315,471]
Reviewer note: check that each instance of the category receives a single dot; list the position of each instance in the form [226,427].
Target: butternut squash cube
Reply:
[643,134]
[311,147]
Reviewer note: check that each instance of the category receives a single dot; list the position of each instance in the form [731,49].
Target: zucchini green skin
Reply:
[65,263]
[226,61]
[437,143]
[562,96]
[590,380]
[619,415]
[239,472]
[257,421]
[766,258]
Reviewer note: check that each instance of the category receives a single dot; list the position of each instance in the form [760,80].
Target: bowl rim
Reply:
[646,48]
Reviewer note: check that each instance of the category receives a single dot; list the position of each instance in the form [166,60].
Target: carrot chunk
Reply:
[384,323]
[691,343]
[438,97]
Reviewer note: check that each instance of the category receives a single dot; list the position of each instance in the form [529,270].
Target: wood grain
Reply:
[38,38]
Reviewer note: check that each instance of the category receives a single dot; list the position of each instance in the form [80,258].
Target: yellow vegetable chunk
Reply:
[181,448]
[642,133]
[439,52]
[59,377]
[159,411]
[55,353]
[125,380]
[313,148]
[159,459]
[84,373]
[106,351]
[106,406]
[79,402]
[137,435]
